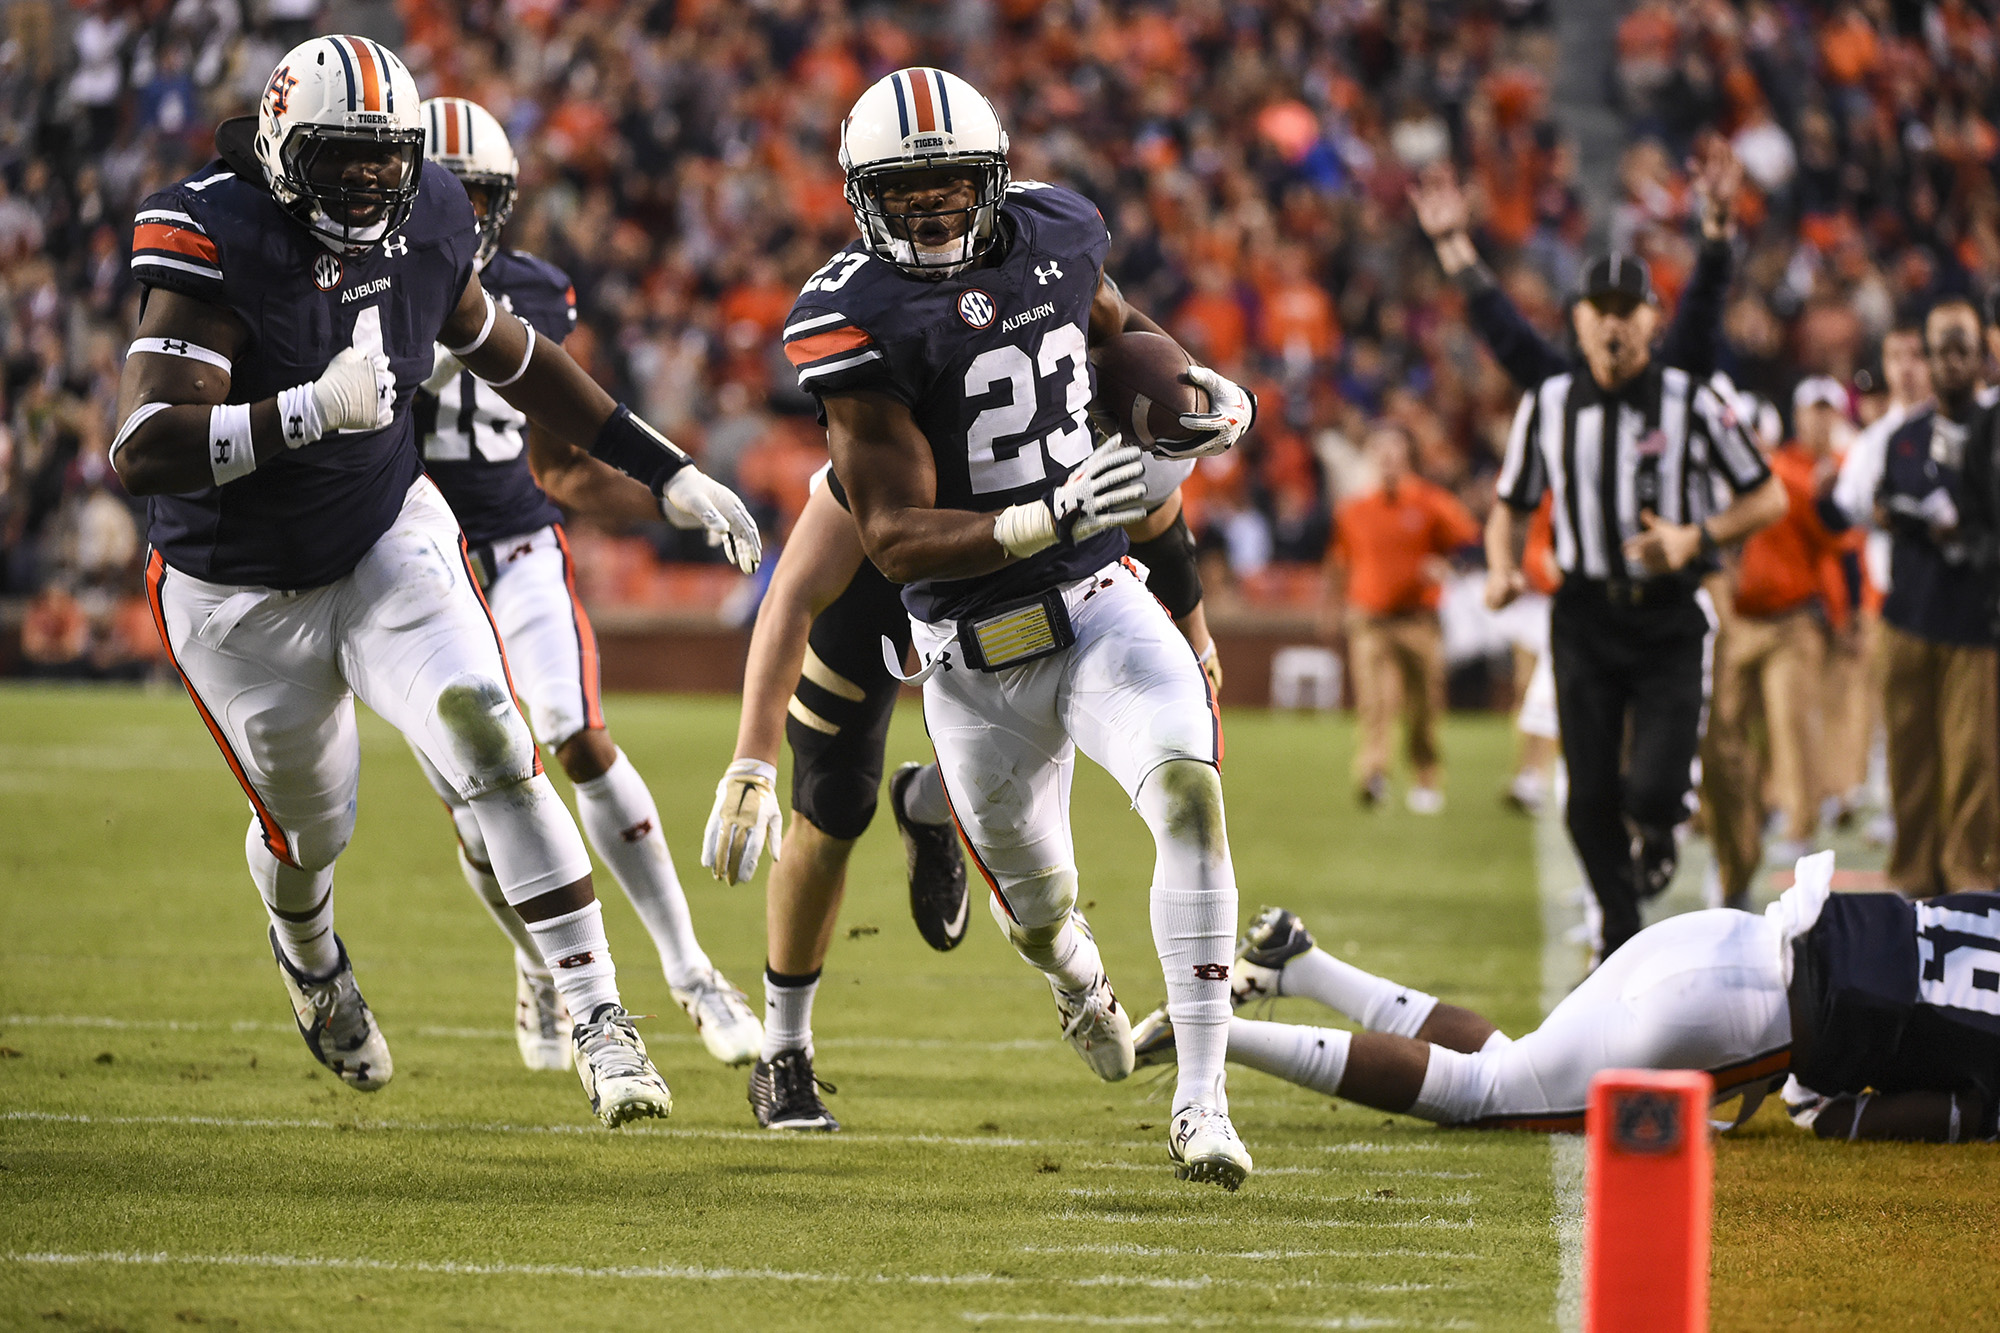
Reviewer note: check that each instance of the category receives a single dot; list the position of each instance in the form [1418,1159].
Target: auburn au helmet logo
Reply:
[279,91]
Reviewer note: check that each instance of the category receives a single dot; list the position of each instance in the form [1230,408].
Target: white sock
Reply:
[1194,922]
[923,798]
[1455,1085]
[527,954]
[623,826]
[1069,957]
[788,1012]
[1378,1004]
[579,958]
[1313,1058]
[300,905]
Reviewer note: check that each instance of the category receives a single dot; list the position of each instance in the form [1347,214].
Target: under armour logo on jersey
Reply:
[1043,272]
[638,832]
[326,273]
[397,245]
[1211,971]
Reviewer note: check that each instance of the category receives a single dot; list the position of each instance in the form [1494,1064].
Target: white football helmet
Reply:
[923,120]
[465,139]
[330,101]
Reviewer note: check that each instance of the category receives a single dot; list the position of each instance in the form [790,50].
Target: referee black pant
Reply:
[1619,666]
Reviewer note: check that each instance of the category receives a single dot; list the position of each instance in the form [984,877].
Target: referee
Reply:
[1631,452]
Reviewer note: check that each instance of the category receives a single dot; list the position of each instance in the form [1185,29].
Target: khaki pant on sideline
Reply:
[1941,704]
[1396,661]
[1849,704]
[1771,669]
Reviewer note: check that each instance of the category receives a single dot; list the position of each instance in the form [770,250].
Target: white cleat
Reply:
[338,1027]
[612,1064]
[1204,1148]
[541,1024]
[1097,1026]
[723,1016]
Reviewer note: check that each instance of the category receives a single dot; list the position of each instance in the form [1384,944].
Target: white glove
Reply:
[357,392]
[693,499]
[1107,490]
[744,821]
[1231,411]
[1938,510]
[444,369]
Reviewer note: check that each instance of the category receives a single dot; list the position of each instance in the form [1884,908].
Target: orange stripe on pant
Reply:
[465,558]
[586,642]
[992,884]
[274,836]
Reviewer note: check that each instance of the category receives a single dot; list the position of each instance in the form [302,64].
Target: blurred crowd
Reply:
[1252,157]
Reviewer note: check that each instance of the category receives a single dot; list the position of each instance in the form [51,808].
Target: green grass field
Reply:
[170,1155]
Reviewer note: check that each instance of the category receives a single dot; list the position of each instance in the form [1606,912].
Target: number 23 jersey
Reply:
[993,364]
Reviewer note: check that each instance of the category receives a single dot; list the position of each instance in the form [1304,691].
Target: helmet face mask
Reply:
[926,164]
[340,142]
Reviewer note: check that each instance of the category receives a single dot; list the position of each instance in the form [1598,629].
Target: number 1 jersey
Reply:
[992,363]
[308,515]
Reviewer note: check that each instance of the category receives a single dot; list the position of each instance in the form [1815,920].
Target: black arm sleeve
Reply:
[1692,339]
[1171,573]
[1526,356]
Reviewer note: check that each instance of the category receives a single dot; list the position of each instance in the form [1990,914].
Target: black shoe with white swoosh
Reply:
[938,900]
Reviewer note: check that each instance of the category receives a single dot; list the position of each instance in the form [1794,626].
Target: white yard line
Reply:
[110,1024]
[1558,874]
[651,1272]
[1070,1320]
[1197,1252]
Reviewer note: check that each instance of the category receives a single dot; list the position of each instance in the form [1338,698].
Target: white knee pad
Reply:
[315,846]
[287,888]
[1041,904]
[486,739]
[533,842]
[1181,801]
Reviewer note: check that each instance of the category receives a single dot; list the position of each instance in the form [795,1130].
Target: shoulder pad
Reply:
[443,213]
[180,233]
[535,289]
[1045,207]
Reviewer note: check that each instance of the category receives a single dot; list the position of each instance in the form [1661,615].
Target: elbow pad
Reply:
[1172,575]
[637,450]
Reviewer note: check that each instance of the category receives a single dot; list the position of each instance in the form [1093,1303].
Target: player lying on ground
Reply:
[816,675]
[1882,1010]
[293,290]
[948,350]
[504,480]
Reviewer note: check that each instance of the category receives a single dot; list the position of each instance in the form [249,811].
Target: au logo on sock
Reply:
[1212,971]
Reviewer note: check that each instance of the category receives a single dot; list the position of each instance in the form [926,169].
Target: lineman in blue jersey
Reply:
[293,291]
[948,348]
[475,447]
[1885,1014]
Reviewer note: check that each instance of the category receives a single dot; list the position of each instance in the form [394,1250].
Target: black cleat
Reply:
[784,1093]
[936,869]
[1373,792]
[1275,938]
[1655,857]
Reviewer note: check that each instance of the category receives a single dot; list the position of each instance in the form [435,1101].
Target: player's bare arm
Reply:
[1111,314]
[588,486]
[820,560]
[884,462]
[537,376]
[176,437]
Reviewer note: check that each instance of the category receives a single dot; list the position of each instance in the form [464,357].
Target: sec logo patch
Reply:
[976,308]
[326,272]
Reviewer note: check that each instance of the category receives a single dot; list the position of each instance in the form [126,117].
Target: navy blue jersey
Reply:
[474,441]
[306,517]
[1902,996]
[1936,592]
[992,363]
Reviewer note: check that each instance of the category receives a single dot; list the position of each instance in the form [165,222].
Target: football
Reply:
[1139,388]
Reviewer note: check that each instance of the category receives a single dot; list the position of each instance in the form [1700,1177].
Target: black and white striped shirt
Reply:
[1665,442]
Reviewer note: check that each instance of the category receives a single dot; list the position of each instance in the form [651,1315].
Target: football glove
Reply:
[1107,490]
[1232,410]
[356,392]
[743,823]
[693,499]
